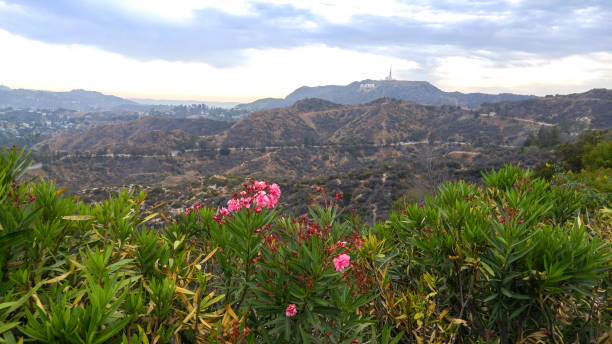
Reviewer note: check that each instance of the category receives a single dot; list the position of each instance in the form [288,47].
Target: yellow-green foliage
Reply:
[599,155]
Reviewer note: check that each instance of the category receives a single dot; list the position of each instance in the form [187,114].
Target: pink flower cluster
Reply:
[291,311]
[264,195]
[261,193]
[342,261]
[192,208]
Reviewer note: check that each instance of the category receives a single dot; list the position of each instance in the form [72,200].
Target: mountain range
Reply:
[80,100]
[358,92]
[388,120]
[374,153]
[365,91]
[316,121]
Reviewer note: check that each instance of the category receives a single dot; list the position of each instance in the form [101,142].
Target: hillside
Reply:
[382,121]
[388,120]
[591,109]
[74,100]
[151,133]
[361,92]
[381,149]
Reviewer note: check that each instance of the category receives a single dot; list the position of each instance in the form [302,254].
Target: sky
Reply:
[242,50]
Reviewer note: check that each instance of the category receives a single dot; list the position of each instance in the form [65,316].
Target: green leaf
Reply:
[514,295]
[5,327]
[518,311]
[487,268]
[111,330]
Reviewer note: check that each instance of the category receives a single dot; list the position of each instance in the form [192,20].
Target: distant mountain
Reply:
[373,153]
[314,121]
[361,92]
[589,109]
[80,100]
[387,120]
[383,121]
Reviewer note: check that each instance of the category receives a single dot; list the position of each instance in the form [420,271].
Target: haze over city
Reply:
[243,50]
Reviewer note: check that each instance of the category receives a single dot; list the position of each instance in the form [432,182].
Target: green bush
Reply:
[515,259]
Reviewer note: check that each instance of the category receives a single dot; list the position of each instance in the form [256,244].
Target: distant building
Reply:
[490,114]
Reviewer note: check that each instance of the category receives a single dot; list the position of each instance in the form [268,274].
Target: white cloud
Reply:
[588,17]
[272,72]
[528,74]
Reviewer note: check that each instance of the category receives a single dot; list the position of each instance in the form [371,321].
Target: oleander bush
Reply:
[514,259]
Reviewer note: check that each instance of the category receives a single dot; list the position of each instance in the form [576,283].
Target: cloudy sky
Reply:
[246,49]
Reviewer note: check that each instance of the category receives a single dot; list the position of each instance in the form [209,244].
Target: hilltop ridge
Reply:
[77,99]
[365,91]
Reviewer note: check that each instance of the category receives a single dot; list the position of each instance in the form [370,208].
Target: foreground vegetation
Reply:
[518,258]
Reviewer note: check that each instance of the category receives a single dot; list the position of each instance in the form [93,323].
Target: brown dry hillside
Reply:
[593,108]
[383,121]
[148,133]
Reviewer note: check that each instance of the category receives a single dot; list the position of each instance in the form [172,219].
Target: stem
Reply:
[197,313]
[247,263]
[244,290]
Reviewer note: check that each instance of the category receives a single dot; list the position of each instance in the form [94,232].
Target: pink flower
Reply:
[290,311]
[223,211]
[341,244]
[263,200]
[259,185]
[275,191]
[233,205]
[342,261]
[246,202]
[272,202]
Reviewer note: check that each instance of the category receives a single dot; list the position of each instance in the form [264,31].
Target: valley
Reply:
[374,153]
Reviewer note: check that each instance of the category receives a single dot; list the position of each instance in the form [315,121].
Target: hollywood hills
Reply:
[592,108]
[382,121]
[361,92]
[376,151]
[387,120]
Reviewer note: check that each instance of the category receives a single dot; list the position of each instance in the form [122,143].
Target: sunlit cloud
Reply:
[253,48]
[267,72]
[527,75]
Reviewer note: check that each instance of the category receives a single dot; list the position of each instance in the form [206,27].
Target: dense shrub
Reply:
[512,260]
[513,257]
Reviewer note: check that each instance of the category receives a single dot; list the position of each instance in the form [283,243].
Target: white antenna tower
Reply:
[390,77]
